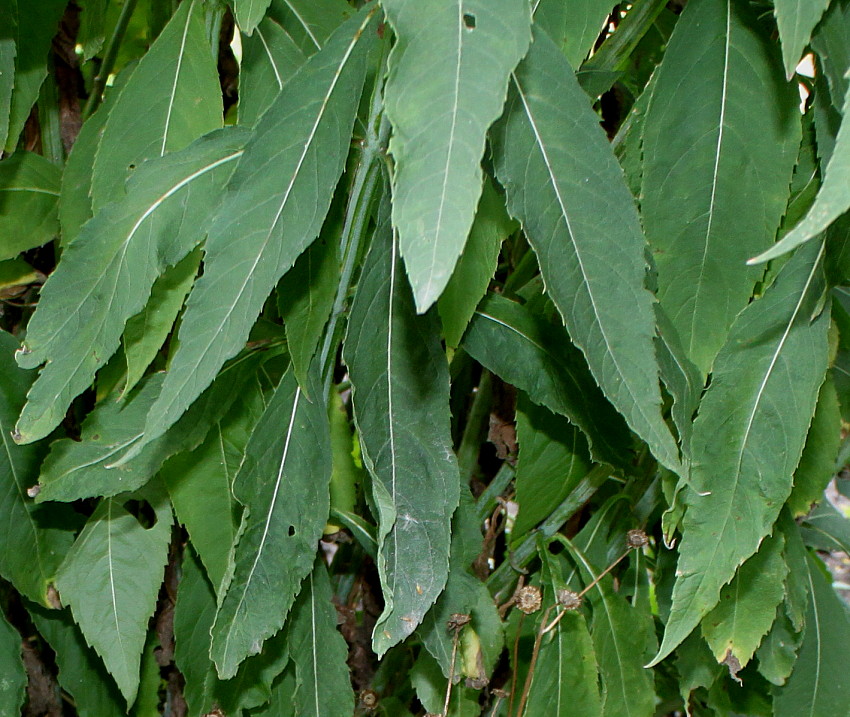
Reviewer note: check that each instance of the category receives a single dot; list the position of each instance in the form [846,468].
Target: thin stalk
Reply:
[363,193]
[516,664]
[526,688]
[451,675]
[108,58]
[489,499]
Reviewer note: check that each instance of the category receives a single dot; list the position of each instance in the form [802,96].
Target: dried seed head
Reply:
[457,621]
[528,600]
[636,539]
[568,599]
[369,699]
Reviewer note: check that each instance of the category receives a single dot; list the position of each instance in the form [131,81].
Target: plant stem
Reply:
[451,674]
[108,59]
[48,119]
[526,688]
[473,432]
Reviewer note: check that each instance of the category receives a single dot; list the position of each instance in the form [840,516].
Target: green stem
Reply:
[475,429]
[48,119]
[109,58]
[502,580]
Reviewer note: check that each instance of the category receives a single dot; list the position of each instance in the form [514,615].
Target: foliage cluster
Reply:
[448,356]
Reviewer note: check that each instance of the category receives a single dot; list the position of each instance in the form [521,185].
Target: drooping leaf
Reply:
[37,23]
[623,637]
[553,458]
[145,332]
[817,464]
[269,58]
[818,686]
[273,210]
[569,193]
[305,299]
[29,198]
[574,27]
[193,617]
[177,84]
[401,407]
[32,549]
[111,579]
[81,671]
[249,13]
[832,200]
[346,476]
[318,651]
[796,19]
[476,265]
[446,83]
[105,275]
[310,22]
[718,158]
[200,484]
[535,356]
[14,681]
[84,468]
[749,436]
[283,484]
[735,628]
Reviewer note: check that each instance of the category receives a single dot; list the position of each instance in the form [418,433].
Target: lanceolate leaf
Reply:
[31,551]
[111,578]
[749,436]
[318,651]
[14,681]
[832,200]
[718,156]
[269,58]
[283,484]
[249,13]
[29,199]
[310,22]
[569,193]
[401,405]
[573,26]
[177,84]
[528,352]
[818,686]
[735,628]
[273,209]
[448,74]
[105,276]
[796,20]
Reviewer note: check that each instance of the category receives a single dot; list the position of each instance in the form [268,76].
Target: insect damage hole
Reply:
[291,531]
[469,20]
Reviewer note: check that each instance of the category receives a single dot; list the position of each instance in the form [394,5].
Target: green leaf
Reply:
[400,385]
[8,36]
[36,25]
[105,275]
[623,637]
[778,651]
[305,299]
[573,26]
[310,22]
[537,357]
[14,682]
[269,58]
[273,210]
[249,13]
[446,84]
[318,651]
[749,436]
[476,265]
[83,469]
[831,202]
[826,529]
[796,20]
[193,618]
[430,686]
[32,548]
[111,579]
[817,464]
[831,42]
[145,332]
[29,197]
[346,476]
[818,686]
[200,483]
[736,626]
[569,193]
[553,458]
[720,142]
[283,484]
[81,671]
[177,84]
